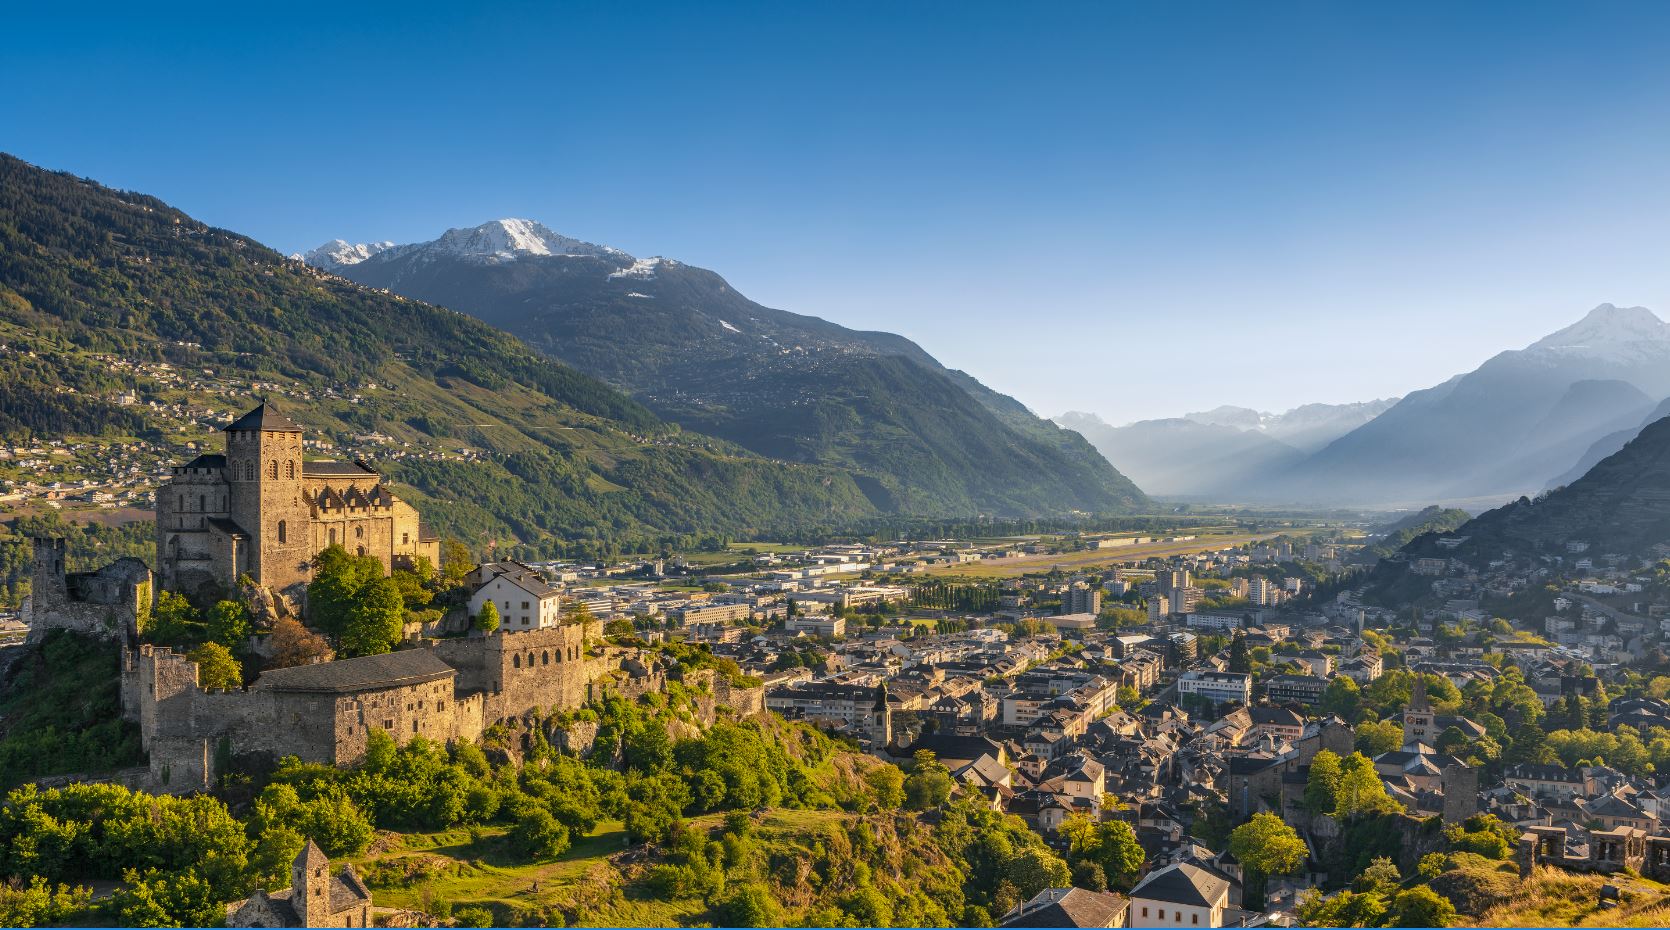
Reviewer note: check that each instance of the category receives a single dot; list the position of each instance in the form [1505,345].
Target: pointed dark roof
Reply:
[311,856]
[1417,696]
[266,418]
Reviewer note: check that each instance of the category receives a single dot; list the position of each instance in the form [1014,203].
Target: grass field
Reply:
[463,867]
[1012,568]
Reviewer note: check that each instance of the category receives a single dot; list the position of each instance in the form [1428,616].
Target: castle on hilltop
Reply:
[260,510]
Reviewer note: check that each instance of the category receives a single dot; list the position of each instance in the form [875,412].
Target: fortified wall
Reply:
[106,603]
[445,691]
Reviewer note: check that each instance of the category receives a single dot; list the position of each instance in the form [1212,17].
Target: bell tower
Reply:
[264,477]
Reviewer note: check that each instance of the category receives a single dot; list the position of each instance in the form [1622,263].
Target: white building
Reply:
[1217,686]
[1180,895]
[523,599]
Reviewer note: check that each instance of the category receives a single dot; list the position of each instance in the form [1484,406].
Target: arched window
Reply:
[545,657]
[359,550]
[289,469]
[333,535]
[249,471]
[283,531]
[272,469]
[516,660]
[359,532]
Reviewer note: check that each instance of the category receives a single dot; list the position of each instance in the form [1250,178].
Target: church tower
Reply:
[1419,722]
[264,477]
[310,883]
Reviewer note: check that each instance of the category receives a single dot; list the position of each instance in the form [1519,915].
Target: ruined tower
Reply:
[264,477]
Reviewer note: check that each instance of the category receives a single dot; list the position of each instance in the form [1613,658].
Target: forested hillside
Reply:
[122,318]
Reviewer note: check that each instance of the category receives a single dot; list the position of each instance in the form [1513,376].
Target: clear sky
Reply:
[1135,209]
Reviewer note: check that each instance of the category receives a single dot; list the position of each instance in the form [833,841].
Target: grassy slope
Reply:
[1557,898]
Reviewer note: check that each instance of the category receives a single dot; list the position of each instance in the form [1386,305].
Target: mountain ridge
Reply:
[918,437]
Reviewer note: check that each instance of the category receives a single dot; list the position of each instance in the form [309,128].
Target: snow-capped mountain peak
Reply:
[489,244]
[1609,332]
[339,253]
[510,239]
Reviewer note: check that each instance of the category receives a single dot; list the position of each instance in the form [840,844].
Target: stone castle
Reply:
[260,510]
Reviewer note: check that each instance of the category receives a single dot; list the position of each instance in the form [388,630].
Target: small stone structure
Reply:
[315,898]
[1615,850]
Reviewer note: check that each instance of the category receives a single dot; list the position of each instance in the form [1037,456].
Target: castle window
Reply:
[289,469]
[283,531]
[359,532]
[516,660]
[359,550]
[545,658]
[202,502]
[272,469]
[333,535]
[249,471]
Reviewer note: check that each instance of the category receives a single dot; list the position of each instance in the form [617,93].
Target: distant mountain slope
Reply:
[1499,430]
[919,438]
[535,451]
[1622,505]
[1225,453]
[1183,457]
[1608,444]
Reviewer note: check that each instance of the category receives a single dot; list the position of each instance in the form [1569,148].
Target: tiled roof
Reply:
[1182,884]
[266,418]
[327,469]
[366,673]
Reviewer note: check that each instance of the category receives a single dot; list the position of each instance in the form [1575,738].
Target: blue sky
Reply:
[1135,209]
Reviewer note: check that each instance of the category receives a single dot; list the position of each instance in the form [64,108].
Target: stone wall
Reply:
[189,732]
[109,603]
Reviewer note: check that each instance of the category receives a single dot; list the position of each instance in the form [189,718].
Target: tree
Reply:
[228,624]
[473,915]
[929,783]
[749,905]
[1346,909]
[153,899]
[173,621]
[1381,877]
[488,619]
[1323,785]
[1115,850]
[1267,846]
[293,644]
[1343,698]
[1361,791]
[1379,737]
[456,562]
[538,835]
[216,668]
[888,785]
[1420,906]
[375,620]
[1239,660]
[39,903]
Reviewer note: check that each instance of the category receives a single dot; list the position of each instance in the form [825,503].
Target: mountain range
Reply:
[1526,420]
[1223,453]
[1621,505]
[107,294]
[916,437]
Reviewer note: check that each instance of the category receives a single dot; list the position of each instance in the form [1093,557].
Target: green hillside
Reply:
[129,323]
